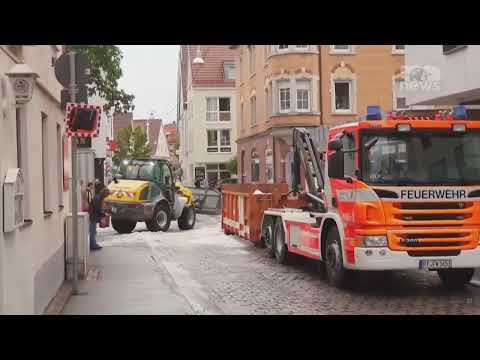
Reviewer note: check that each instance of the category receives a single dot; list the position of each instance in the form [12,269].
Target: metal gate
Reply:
[207,200]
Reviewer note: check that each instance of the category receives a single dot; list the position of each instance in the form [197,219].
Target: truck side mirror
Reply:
[335,144]
[336,165]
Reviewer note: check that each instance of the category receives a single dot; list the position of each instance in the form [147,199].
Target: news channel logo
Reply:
[420,78]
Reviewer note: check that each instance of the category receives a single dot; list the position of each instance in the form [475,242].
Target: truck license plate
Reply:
[435,264]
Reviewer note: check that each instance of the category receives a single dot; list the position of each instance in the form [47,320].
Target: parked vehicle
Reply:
[386,194]
[144,191]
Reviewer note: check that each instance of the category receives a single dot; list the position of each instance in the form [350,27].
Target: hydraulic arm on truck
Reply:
[307,155]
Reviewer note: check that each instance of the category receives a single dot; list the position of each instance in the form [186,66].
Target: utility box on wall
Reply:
[13,200]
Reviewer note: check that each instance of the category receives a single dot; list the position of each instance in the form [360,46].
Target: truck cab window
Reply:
[349,161]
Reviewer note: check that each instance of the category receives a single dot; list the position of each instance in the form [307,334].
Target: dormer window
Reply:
[229,71]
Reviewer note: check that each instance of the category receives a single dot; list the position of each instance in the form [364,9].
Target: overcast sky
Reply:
[150,73]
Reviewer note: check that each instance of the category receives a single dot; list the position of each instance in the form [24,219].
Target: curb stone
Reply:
[58,303]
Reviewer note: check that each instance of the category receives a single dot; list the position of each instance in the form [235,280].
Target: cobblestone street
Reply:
[219,274]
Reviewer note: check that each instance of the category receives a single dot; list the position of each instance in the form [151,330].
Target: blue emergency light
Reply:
[460,112]
[374,112]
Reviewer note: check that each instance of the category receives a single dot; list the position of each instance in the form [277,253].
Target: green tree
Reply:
[232,165]
[131,144]
[105,73]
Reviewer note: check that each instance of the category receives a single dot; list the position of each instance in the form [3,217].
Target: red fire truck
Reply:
[388,193]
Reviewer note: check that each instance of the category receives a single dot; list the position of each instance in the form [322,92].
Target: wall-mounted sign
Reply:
[83,120]
[13,200]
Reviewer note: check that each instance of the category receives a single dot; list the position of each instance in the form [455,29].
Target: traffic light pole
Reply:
[73,90]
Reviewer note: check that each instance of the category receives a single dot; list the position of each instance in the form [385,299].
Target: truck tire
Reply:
[160,220]
[336,274]
[123,226]
[455,278]
[267,235]
[279,244]
[187,220]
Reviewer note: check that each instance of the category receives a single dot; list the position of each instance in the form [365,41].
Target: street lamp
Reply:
[198,59]
[22,78]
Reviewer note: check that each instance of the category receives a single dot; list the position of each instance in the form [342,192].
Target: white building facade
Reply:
[103,157]
[443,75]
[32,256]
[206,116]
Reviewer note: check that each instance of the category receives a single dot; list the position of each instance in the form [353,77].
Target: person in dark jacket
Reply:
[96,213]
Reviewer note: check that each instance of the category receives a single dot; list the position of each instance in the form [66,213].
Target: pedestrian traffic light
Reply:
[83,120]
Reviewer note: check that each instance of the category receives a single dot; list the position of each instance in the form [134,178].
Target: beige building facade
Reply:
[32,256]
[284,86]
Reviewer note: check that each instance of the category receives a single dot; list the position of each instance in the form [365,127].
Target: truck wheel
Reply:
[455,278]
[267,235]
[279,245]
[160,220]
[337,275]
[123,226]
[187,220]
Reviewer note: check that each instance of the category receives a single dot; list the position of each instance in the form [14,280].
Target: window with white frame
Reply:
[303,95]
[284,95]
[253,111]
[282,47]
[302,47]
[343,96]
[267,104]
[251,51]
[399,97]
[225,145]
[255,166]
[341,49]
[219,141]
[270,100]
[269,165]
[229,71]
[216,172]
[218,109]
[398,49]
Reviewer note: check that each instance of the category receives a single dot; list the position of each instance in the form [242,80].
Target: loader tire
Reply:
[187,220]
[160,220]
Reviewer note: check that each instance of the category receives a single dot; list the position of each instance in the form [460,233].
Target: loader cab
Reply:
[158,172]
